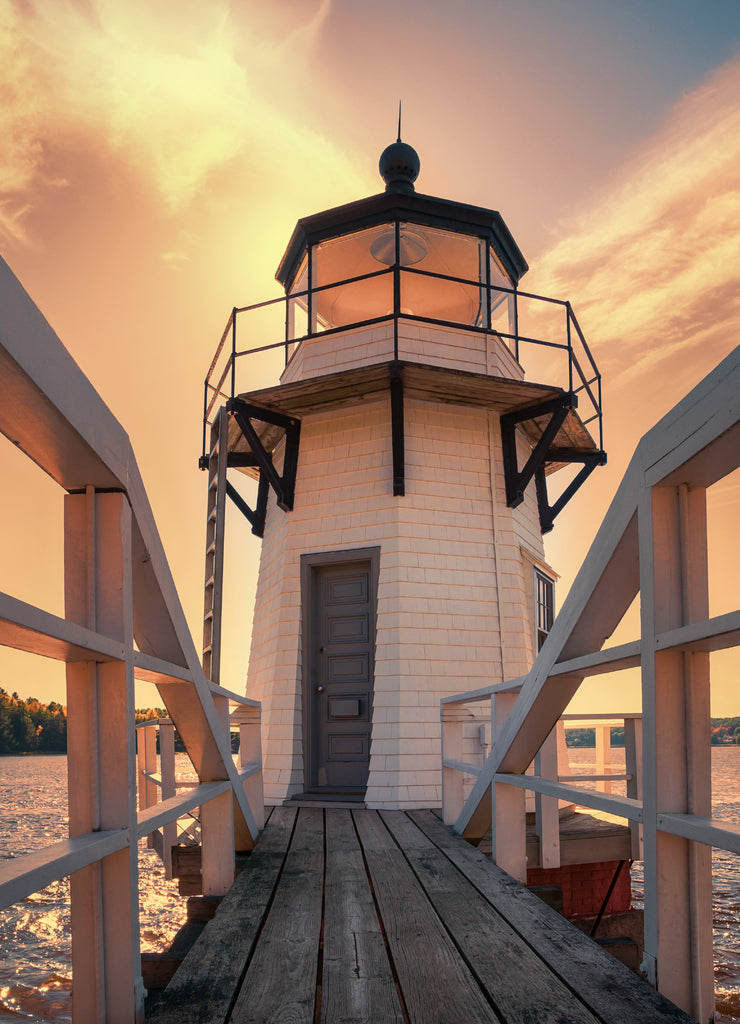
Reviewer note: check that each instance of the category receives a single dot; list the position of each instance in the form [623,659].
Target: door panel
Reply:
[342,640]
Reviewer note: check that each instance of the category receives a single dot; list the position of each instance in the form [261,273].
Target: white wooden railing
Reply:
[653,540]
[549,778]
[123,620]
[157,782]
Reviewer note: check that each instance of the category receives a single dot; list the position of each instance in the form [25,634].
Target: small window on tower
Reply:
[544,605]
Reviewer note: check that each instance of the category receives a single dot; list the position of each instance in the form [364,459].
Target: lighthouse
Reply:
[405,466]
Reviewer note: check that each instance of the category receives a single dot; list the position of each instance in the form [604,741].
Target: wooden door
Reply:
[342,647]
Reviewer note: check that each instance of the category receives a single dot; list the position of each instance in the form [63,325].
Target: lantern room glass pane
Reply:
[298,303]
[453,255]
[346,257]
[502,302]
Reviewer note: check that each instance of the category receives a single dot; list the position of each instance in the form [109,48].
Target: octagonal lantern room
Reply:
[401,254]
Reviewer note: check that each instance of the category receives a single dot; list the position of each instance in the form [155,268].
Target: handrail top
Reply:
[607,716]
[236,698]
[511,686]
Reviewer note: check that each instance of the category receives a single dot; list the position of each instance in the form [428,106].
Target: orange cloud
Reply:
[653,267]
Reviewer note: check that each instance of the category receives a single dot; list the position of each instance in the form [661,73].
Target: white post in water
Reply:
[169,789]
[677,765]
[106,960]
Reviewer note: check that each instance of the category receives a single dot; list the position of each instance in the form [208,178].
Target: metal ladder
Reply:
[215,523]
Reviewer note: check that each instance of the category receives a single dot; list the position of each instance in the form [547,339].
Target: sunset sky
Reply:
[156,155]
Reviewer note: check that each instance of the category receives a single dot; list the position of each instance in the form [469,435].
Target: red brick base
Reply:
[584,887]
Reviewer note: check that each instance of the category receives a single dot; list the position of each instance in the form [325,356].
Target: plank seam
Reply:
[394,972]
[319,987]
[513,927]
[483,989]
[258,934]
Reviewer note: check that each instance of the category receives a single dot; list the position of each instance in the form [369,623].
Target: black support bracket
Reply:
[548,512]
[258,516]
[544,453]
[516,480]
[283,485]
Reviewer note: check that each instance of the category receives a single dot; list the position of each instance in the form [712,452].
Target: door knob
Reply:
[319,689]
[321,650]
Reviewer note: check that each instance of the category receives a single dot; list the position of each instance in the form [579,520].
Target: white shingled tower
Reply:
[403,462]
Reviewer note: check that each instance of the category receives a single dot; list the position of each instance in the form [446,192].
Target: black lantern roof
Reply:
[401,203]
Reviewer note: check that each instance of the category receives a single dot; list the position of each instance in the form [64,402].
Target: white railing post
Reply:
[146,756]
[250,752]
[676,753]
[453,796]
[547,808]
[508,814]
[562,749]
[603,739]
[633,767]
[169,788]
[106,960]
[217,827]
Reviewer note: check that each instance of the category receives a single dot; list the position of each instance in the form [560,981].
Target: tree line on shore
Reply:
[27,726]
[30,727]
[724,731]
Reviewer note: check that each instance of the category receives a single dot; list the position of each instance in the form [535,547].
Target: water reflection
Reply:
[36,963]
[35,971]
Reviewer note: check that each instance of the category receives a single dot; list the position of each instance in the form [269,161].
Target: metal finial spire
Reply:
[399,164]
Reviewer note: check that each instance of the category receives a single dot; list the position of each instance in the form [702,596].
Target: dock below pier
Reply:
[386,916]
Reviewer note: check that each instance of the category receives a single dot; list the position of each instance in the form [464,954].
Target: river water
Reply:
[35,956]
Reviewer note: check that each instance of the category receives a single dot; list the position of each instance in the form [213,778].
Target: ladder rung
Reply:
[212,515]
[208,615]
[213,482]
[214,449]
[209,582]
[207,649]
[211,548]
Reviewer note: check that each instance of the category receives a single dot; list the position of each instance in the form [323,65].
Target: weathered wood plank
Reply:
[204,987]
[521,986]
[436,984]
[357,981]
[607,987]
[280,983]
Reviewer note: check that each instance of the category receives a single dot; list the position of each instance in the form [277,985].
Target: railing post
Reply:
[289,324]
[250,752]
[169,789]
[562,748]
[146,756]
[233,352]
[217,828]
[101,760]
[568,313]
[547,809]
[508,814]
[676,754]
[633,767]
[603,755]
[310,312]
[453,797]
[516,324]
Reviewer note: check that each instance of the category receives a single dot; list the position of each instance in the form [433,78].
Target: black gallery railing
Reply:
[580,375]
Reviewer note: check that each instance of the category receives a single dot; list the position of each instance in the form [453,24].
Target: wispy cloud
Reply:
[174,90]
[654,267]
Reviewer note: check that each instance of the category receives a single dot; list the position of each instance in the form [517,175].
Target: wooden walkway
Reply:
[347,916]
